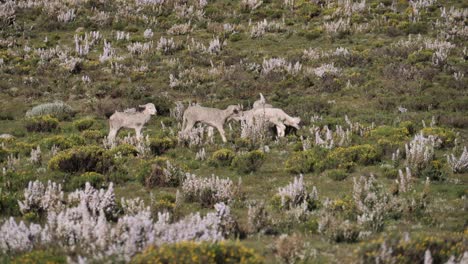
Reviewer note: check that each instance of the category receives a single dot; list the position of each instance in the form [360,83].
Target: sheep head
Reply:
[150,109]
[294,122]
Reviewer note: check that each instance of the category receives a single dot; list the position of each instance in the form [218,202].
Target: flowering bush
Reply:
[208,191]
[295,194]
[83,124]
[159,145]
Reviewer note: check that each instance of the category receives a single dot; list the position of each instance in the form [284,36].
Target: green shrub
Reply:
[442,247]
[435,171]
[9,204]
[410,126]
[63,142]
[22,148]
[193,252]
[58,109]
[125,150]
[306,161]
[222,158]
[93,135]
[83,124]
[337,175]
[359,154]
[160,145]
[42,124]
[248,162]
[389,172]
[446,135]
[389,138]
[82,159]
[40,257]
[159,172]
[3,154]
[96,180]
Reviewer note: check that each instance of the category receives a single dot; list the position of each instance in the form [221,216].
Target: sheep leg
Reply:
[189,125]
[222,133]
[280,128]
[113,133]
[138,132]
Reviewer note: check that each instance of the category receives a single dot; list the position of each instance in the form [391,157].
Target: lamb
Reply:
[209,116]
[274,116]
[130,119]
[261,103]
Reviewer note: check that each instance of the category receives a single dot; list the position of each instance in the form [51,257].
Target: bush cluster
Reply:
[159,145]
[82,159]
[248,162]
[45,123]
[222,158]
[192,252]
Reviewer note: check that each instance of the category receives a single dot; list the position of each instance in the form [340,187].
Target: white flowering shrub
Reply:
[180,29]
[325,70]
[420,151]
[95,200]
[458,165]
[166,45]
[251,4]
[208,191]
[66,16]
[139,48]
[18,237]
[280,65]
[295,195]
[40,198]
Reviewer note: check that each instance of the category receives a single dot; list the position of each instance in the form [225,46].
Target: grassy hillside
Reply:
[378,171]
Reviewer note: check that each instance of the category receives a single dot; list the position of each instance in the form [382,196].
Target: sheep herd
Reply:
[213,117]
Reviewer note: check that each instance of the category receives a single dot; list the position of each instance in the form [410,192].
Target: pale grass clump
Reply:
[331,139]
[108,53]
[40,198]
[419,152]
[325,70]
[257,217]
[148,33]
[36,156]
[280,65]
[180,29]
[372,202]
[208,190]
[458,165]
[295,194]
[262,27]
[66,16]
[122,35]
[404,181]
[166,45]
[334,27]
[139,48]
[251,4]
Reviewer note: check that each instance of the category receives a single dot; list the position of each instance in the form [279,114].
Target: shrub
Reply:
[42,124]
[435,171]
[40,257]
[124,150]
[193,252]
[441,247]
[22,148]
[57,109]
[160,172]
[360,154]
[96,180]
[337,175]
[222,158]
[63,142]
[306,161]
[82,159]
[93,135]
[445,135]
[410,126]
[249,162]
[3,154]
[83,124]
[9,204]
[160,145]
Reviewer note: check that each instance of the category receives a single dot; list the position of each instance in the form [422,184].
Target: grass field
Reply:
[378,172]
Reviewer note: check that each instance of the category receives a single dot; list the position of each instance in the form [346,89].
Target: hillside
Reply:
[377,173]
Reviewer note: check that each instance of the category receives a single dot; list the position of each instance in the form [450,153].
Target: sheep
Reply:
[209,116]
[261,103]
[273,116]
[130,118]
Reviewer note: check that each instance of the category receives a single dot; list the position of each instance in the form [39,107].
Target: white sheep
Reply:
[130,118]
[210,116]
[261,103]
[273,116]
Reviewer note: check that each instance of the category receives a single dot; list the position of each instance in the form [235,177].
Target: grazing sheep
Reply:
[274,116]
[209,116]
[130,119]
[261,103]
